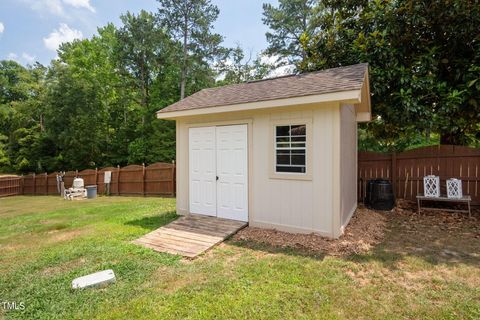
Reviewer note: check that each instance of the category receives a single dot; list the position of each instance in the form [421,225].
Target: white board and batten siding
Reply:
[218,167]
[348,160]
[284,204]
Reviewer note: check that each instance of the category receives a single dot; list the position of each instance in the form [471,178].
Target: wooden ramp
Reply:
[190,235]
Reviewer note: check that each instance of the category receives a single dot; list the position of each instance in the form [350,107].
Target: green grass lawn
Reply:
[45,242]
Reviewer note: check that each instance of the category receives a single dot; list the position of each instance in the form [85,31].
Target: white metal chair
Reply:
[76,191]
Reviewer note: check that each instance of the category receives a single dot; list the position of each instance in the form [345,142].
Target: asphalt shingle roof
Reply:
[312,83]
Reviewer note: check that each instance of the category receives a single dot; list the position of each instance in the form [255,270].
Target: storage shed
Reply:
[279,153]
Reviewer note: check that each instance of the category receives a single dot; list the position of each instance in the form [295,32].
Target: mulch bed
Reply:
[367,228]
[445,221]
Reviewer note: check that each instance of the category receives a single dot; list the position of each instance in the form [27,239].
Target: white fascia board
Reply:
[364,116]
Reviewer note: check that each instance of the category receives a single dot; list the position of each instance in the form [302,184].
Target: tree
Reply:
[191,22]
[147,58]
[424,61]
[236,68]
[76,118]
[140,49]
[21,114]
[4,160]
[289,22]
[95,104]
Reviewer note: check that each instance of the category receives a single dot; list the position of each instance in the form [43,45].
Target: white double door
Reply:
[218,171]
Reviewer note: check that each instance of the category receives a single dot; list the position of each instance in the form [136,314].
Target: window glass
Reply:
[290,148]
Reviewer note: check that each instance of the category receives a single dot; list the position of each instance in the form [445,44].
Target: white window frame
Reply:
[287,146]
[274,174]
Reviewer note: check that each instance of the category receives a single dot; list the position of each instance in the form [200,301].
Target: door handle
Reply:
[217,178]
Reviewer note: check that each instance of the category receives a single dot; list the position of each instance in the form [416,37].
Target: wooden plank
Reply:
[191,237]
[169,246]
[203,226]
[442,198]
[177,240]
[190,229]
[180,245]
[217,223]
[159,248]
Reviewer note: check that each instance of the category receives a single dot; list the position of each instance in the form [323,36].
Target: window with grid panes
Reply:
[290,148]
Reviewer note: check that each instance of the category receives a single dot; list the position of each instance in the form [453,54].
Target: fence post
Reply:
[34,187]
[143,179]
[96,177]
[173,178]
[118,180]
[394,172]
[46,183]
[22,185]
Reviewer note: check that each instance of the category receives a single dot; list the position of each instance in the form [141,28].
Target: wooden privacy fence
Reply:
[407,169]
[157,179]
[10,186]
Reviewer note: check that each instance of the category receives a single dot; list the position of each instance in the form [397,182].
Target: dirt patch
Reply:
[169,280]
[59,235]
[51,221]
[366,229]
[439,236]
[14,246]
[54,270]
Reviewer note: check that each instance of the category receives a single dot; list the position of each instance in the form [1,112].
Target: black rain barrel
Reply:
[368,196]
[380,195]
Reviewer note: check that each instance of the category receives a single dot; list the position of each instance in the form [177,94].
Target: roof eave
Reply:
[364,107]
[348,96]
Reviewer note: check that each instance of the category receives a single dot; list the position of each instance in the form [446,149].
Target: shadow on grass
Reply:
[153,222]
[426,238]
[260,246]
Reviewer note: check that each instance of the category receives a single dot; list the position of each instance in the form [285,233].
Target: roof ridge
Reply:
[296,74]
[272,78]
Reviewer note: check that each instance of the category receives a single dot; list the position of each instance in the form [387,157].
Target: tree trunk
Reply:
[42,125]
[184,62]
[451,138]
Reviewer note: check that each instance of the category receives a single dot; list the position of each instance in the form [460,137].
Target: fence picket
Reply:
[445,161]
[154,180]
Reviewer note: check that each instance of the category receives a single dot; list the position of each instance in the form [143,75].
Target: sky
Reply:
[32,30]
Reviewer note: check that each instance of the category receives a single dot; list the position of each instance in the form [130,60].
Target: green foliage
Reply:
[4,160]
[191,23]
[424,59]
[95,105]
[289,23]
[235,67]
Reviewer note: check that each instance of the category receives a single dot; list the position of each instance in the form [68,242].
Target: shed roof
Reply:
[327,81]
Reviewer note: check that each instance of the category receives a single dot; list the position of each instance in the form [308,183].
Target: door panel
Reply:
[219,151]
[232,160]
[202,169]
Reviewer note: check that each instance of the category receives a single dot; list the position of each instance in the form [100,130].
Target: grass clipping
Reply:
[366,229]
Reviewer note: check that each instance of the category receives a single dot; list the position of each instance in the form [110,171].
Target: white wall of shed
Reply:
[348,163]
[305,206]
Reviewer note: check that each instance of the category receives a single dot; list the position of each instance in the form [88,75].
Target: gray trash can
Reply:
[91,192]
